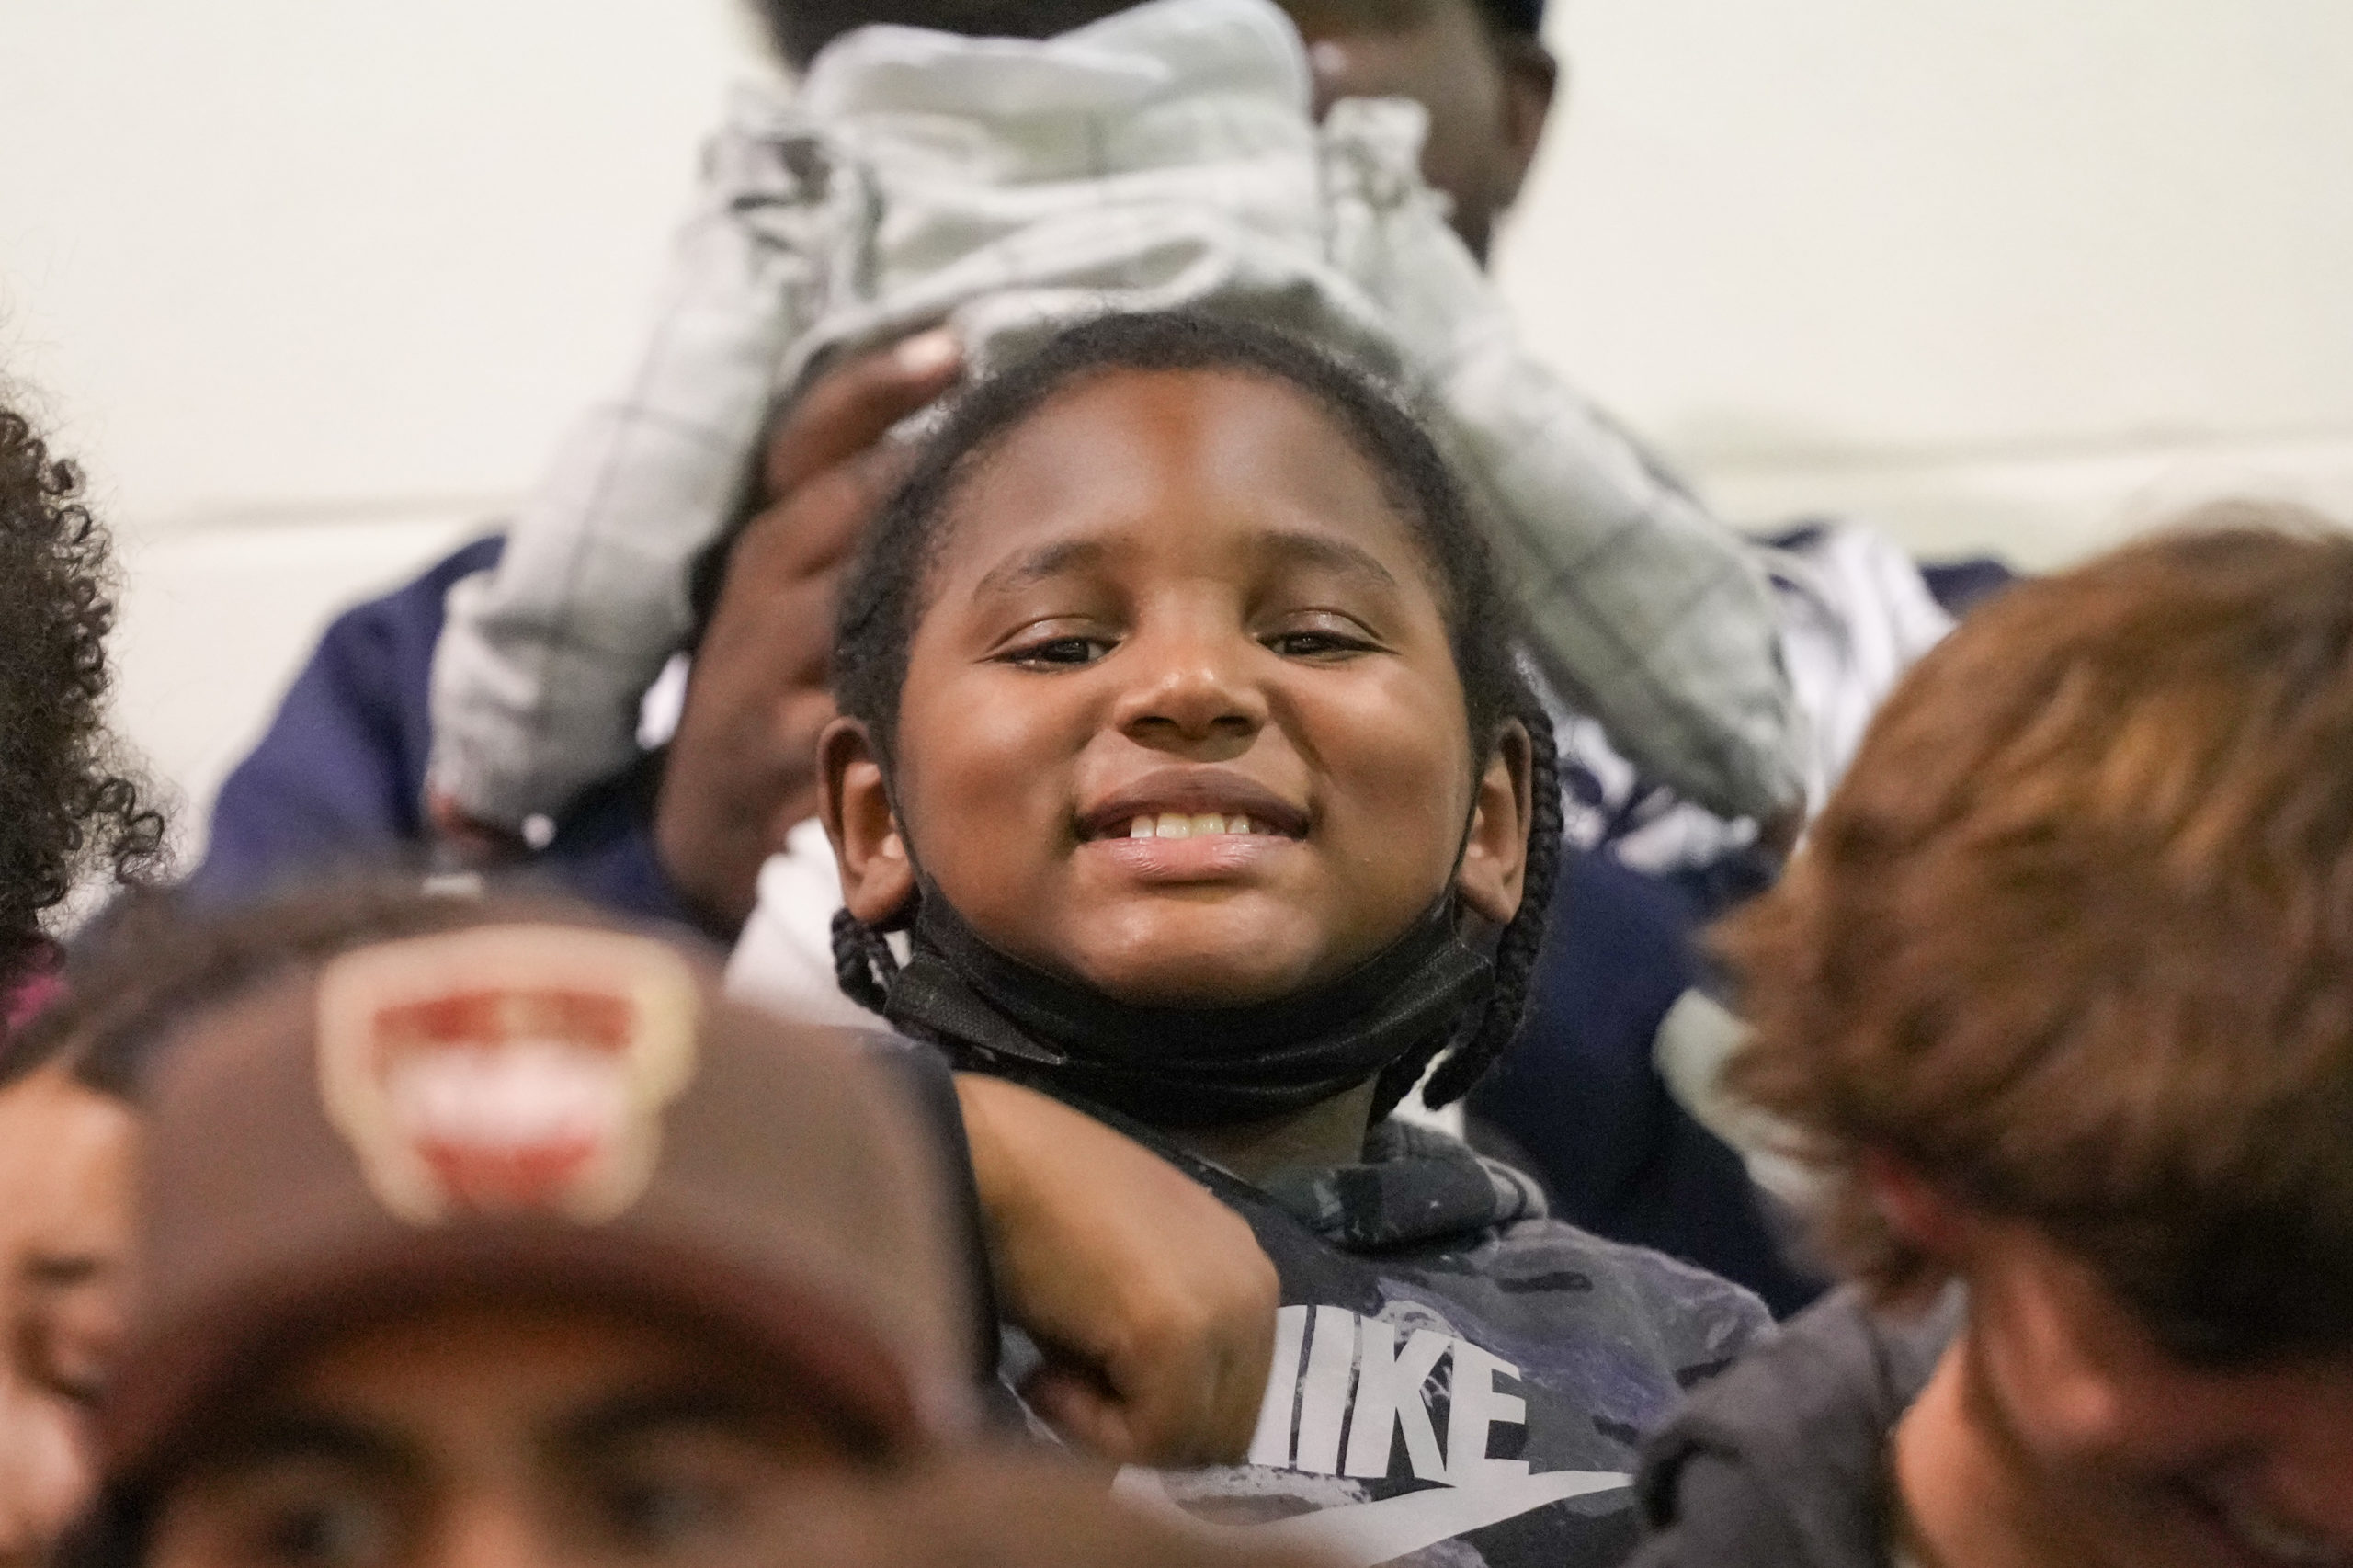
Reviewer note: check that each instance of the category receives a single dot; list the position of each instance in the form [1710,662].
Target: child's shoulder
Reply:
[1435,1216]
[1697,1320]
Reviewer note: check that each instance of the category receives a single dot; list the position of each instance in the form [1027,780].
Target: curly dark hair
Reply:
[65,808]
[884,599]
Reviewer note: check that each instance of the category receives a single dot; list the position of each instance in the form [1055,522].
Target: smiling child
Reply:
[1181,734]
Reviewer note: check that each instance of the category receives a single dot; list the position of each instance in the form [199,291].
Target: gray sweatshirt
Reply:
[1460,1379]
[1781,1461]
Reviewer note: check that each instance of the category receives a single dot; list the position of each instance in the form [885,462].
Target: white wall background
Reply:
[311,286]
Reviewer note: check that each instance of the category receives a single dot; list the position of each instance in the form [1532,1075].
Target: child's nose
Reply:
[1192,692]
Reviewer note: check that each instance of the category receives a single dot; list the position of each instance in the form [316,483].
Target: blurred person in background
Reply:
[2055,1011]
[1007,172]
[66,810]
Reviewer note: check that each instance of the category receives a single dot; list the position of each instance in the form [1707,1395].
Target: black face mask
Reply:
[1190,1066]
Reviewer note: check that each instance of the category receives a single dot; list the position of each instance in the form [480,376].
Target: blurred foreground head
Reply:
[2058,999]
[463,1216]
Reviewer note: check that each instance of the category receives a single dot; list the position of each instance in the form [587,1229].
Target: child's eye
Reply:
[1318,643]
[1059,651]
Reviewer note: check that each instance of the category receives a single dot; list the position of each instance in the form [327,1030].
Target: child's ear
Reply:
[877,878]
[1494,859]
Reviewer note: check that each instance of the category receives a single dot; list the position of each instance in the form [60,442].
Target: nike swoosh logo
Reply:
[1362,1535]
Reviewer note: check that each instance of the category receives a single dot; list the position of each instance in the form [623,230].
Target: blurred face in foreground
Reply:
[511,1437]
[2058,1430]
[65,1168]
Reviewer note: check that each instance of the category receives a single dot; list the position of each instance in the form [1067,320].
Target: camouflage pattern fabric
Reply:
[1458,1379]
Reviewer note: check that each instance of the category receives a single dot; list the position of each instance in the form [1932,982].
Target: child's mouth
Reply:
[1182,805]
[1190,846]
[1194,824]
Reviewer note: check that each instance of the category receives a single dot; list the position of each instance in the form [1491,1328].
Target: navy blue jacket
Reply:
[339,778]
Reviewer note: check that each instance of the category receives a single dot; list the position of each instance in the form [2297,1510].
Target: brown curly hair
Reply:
[65,809]
[2073,940]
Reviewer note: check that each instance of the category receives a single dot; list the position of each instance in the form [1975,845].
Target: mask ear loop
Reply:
[1523,938]
[864,965]
[1397,1080]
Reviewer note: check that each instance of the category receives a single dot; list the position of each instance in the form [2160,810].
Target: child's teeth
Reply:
[1191,824]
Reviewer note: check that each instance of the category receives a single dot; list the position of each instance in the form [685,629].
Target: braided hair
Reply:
[885,596]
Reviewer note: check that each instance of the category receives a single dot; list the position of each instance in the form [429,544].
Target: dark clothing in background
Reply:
[1579,1093]
[1781,1461]
[338,778]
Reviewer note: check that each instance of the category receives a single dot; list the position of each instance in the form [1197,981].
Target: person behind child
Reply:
[340,774]
[1160,154]
[2056,1007]
[1182,736]
[536,1250]
[683,831]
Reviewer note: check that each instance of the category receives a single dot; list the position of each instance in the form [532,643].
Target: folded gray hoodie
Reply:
[1163,158]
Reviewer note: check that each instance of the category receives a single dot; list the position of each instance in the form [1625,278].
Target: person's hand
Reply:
[1153,1300]
[468,840]
[742,768]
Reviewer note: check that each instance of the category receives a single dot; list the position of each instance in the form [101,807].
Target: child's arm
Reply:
[1656,620]
[1152,1298]
[538,676]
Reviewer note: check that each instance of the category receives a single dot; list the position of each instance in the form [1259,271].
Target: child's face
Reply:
[1179,604]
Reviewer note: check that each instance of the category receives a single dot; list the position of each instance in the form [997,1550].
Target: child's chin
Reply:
[1233,973]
